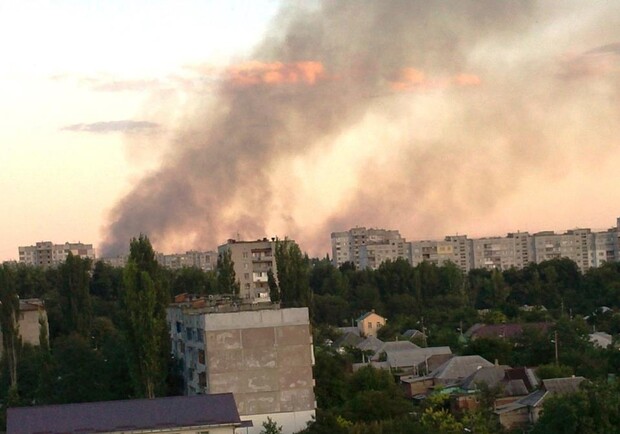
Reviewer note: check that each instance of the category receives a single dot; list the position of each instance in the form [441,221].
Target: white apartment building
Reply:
[264,356]
[368,248]
[454,248]
[605,247]
[206,261]
[515,250]
[252,260]
[586,248]
[46,254]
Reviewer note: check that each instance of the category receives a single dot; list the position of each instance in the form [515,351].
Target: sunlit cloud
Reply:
[255,73]
[123,126]
[410,79]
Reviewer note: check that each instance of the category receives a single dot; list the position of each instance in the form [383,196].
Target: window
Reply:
[201,357]
[369,325]
[379,324]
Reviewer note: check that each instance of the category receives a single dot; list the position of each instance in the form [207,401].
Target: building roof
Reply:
[367,314]
[414,357]
[489,375]
[348,340]
[510,330]
[30,304]
[551,386]
[127,415]
[562,385]
[459,367]
[412,333]
[371,343]
[526,375]
[515,388]
[397,346]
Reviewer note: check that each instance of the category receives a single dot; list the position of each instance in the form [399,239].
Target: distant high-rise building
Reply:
[515,250]
[252,261]
[206,261]
[46,254]
[368,248]
[454,248]
[586,248]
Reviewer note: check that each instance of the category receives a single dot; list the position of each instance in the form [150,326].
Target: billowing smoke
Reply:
[406,114]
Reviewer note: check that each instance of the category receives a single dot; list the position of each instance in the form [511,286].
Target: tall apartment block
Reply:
[453,248]
[264,357]
[586,248]
[515,250]
[206,261]
[46,254]
[368,248]
[252,260]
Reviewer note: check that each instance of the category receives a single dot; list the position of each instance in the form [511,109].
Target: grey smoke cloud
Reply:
[473,89]
[123,126]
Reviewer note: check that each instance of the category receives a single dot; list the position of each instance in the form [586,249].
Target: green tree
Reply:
[271,427]
[227,282]
[293,270]
[74,295]
[145,301]
[9,314]
[593,410]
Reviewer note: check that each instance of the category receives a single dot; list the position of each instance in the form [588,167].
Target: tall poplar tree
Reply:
[145,299]
[226,278]
[9,315]
[74,294]
[293,268]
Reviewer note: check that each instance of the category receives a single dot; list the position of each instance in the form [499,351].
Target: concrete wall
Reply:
[291,422]
[269,369]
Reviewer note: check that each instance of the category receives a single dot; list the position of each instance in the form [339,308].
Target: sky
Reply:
[199,121]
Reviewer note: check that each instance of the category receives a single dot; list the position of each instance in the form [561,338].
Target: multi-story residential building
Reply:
[260,353]
[455,248]
[575,245]
[252,261]
[46,254]
[515,250]
[206,261]
[32,317]
[586,248]
[368,248]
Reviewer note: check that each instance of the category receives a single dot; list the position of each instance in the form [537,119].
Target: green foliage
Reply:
[553,371]
[374,396]
[227,282]
[74,295]
[145,301]
[491,349]
[192,280]
[593,410]
[9,317]
[293,269]
[271,427]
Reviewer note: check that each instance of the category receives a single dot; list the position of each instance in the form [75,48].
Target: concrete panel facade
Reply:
[263,357]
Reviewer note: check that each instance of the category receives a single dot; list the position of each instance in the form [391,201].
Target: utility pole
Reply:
[555,341]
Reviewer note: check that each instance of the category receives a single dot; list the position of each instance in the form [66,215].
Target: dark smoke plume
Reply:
[475,100]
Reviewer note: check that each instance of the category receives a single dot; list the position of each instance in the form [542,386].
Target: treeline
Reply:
[108,337]
[106,322]
[397,288]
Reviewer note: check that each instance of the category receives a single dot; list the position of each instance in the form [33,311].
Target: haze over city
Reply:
[195,122]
